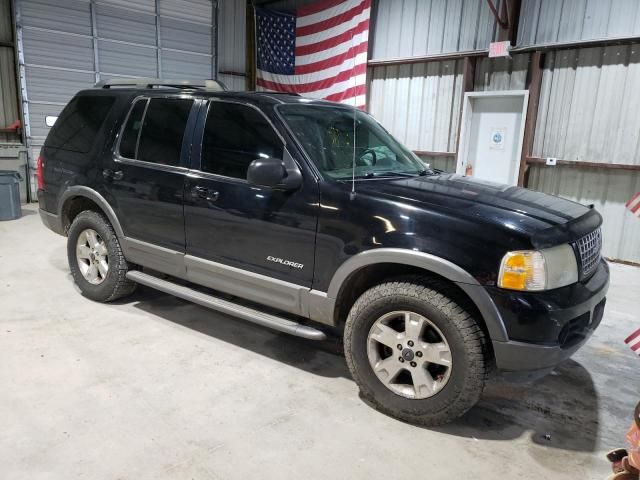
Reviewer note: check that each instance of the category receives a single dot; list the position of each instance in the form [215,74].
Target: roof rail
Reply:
[212,85]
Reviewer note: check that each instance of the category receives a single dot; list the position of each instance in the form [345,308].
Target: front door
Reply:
[145,179]
[491,135]
[254,242]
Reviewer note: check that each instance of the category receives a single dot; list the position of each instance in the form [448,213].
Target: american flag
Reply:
[633,341]
[634,204]
[319,52]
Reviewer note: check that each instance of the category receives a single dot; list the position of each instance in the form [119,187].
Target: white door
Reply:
[491,135]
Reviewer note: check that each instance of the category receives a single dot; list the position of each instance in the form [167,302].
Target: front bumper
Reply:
[546,328]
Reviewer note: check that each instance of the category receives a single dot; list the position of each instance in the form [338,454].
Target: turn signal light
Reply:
[522,270]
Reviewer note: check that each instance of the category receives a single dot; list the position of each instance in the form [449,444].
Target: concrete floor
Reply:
[154,388]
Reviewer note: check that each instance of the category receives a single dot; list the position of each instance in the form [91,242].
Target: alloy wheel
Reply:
[92,256]
[409,354]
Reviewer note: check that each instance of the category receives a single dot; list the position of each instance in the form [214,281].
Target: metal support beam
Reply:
[251,47]
[428,153]
[24,100]
[545,47]
[158,42]
[215,9]
[94,41]
[438,57]
[535,84]
[581,164]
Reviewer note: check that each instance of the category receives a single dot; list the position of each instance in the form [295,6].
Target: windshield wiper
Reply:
[388,174]
[425,172]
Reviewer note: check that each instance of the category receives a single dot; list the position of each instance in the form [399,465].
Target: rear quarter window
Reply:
[79,123]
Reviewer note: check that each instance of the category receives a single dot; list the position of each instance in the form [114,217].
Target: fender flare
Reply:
[91,194]
[323,305]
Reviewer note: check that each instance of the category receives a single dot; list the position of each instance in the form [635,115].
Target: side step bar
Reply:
[224,306]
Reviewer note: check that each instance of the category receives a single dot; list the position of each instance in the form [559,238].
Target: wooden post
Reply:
[535,83]
[251,47]
[509,12]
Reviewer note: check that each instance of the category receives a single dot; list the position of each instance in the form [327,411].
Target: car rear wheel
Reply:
[416,353]
[95,258]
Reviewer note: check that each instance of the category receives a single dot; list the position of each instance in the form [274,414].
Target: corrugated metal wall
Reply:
[608,191]
[589,105]
[232,46]
[414,28]
[553,21]
[501,73]
[9,111]
[419,103]
[588,111]
[70,44]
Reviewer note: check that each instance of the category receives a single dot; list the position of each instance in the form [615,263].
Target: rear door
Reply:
[254,242]
[145,177]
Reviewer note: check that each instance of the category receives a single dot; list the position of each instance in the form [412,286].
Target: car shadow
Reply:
[557,411]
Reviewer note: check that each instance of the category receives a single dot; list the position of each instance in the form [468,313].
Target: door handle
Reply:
[205,193]
[111,175]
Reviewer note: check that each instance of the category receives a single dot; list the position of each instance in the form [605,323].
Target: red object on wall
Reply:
[13,128]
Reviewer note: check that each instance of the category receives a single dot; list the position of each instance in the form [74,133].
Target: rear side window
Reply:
[129,141]
[79,123]
[234,136]
[154,133]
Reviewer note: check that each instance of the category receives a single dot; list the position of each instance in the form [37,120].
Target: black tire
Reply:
[115,284]
[467,343]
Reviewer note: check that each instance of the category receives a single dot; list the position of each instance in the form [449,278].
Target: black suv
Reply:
[307,217]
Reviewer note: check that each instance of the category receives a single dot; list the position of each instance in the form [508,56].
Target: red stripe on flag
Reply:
[333,41]
[632,199]
[635,208]
[331,62]
[348,93]
[313,86]
[333,21]
[635,347]
[317,7]
[632,337]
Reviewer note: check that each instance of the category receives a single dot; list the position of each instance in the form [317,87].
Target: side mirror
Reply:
[272,172]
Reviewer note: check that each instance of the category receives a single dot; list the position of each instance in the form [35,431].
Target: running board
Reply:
[224,306]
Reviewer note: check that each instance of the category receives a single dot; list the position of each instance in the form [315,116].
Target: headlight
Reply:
[537,270]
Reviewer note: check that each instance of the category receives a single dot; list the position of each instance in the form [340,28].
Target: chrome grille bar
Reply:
[589,248]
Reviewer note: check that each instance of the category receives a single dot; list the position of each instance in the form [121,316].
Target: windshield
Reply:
[327,135]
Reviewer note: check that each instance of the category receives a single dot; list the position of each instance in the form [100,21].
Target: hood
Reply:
[546,219]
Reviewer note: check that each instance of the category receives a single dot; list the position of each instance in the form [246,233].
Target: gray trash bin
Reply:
[10,195]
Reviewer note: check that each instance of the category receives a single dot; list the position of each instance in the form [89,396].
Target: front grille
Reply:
[589,248]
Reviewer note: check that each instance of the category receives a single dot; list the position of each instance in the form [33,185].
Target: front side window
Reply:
[235,135]
[336,137]
[154,132]
[79,123]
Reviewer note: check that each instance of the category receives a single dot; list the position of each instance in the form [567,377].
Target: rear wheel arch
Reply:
[372,267]
[79,198]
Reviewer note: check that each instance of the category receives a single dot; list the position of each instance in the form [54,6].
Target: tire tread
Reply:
[440,295]
[122,285]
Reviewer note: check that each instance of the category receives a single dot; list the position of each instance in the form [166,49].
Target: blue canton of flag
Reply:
[276,32]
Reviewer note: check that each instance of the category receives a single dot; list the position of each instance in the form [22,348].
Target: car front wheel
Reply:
[416,353]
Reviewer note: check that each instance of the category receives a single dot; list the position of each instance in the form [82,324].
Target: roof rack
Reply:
[212,85]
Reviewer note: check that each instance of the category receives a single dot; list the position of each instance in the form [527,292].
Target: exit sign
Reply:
[499,49]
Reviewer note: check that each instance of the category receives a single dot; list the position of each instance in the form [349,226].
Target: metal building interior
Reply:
[578,60]
[571,79]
